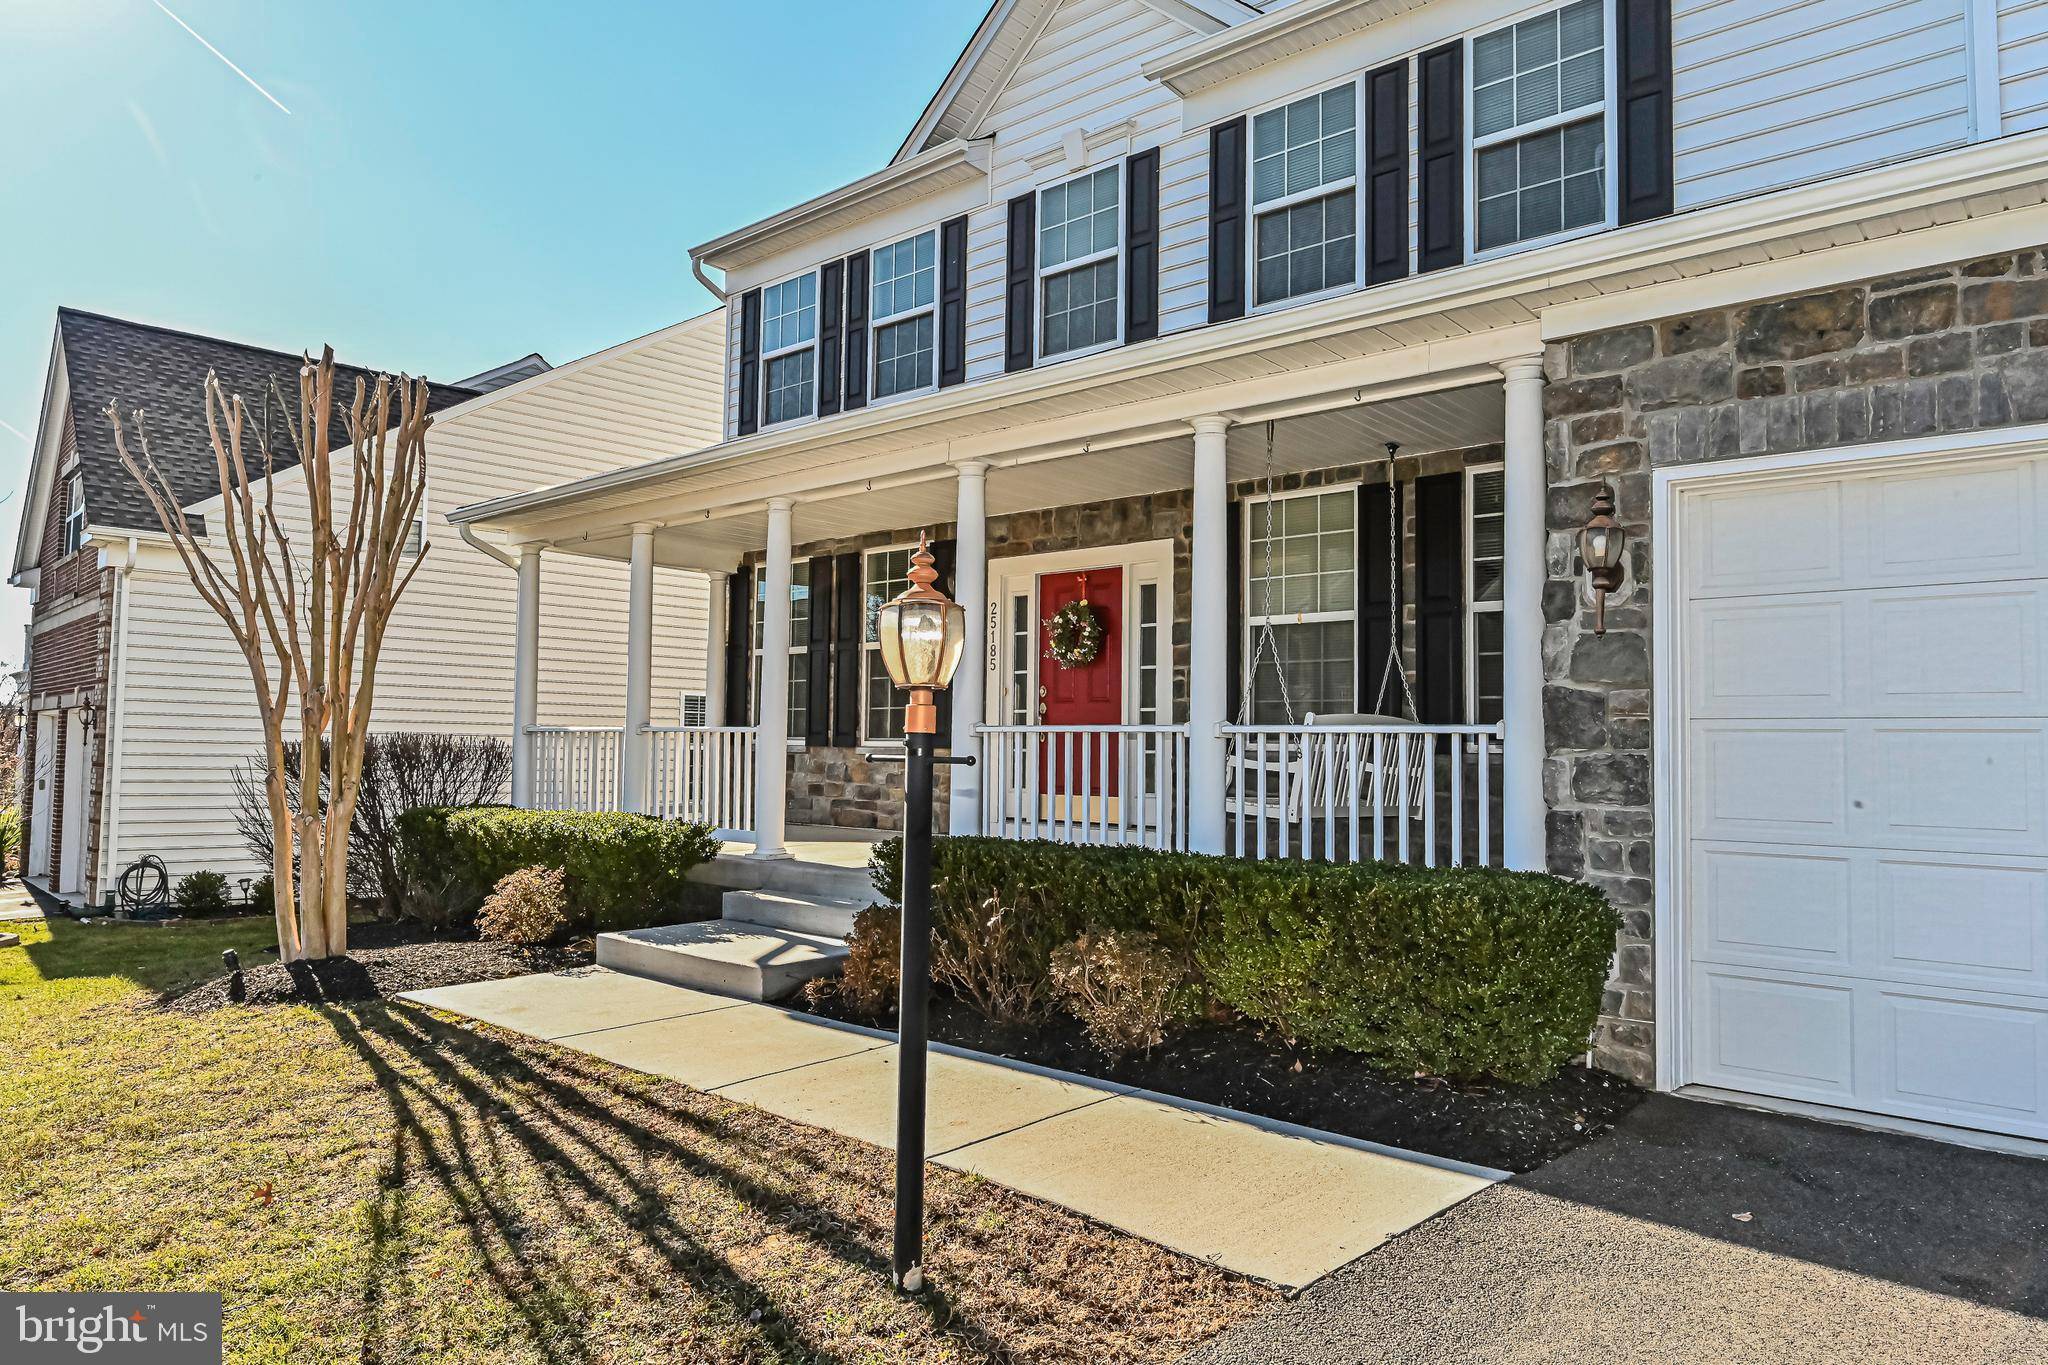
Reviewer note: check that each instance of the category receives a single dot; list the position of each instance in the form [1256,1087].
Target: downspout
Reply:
[113,718]
[697,268]
[493,551]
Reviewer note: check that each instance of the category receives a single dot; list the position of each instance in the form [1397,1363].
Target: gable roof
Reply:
[163,372]
[1000,42]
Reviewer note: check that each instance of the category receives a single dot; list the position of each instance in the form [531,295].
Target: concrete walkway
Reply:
[1263,1199]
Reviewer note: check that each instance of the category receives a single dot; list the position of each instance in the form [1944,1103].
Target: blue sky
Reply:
[454,185]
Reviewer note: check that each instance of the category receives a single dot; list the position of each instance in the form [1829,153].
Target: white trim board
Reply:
[1669,486]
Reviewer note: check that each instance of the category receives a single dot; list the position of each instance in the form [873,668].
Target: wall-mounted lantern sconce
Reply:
[1603,546]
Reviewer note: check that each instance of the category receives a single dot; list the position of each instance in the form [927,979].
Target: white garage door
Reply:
[1865,865]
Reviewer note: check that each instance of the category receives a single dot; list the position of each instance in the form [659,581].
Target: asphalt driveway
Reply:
[1700,1232]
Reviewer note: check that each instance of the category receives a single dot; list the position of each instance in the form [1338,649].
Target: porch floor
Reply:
[826,844]
[1279,1203]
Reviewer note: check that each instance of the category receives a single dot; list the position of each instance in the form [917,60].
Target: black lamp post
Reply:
[921,634]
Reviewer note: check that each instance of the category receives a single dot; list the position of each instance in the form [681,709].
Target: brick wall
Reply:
[1960,347]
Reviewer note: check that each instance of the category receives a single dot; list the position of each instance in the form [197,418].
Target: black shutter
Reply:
[856,368]
[1386,173]
[1233,611]
[1440,598]
[1019,286]
[1141,247]
[818,649]
[750,362]
[739,646]
[944,554]
[1226,220]
[952,302]
[831,288]
[1643,45]
[1379,592]
[848,621]
[1443,156]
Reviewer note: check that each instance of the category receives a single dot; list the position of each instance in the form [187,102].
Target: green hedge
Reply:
[621,871]
[1459,972]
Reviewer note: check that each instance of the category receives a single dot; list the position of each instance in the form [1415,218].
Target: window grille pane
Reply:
[789,313]
[1488,503]
[1542,184]
[1080,308]
[789,387]
[1308,248]
[1320,668]
[888,575]
[1539,68]
[903,356]
[904,276]
[1308,564]
[1305,144]
[1078,218]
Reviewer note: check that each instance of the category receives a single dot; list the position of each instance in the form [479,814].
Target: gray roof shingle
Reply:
[163,372]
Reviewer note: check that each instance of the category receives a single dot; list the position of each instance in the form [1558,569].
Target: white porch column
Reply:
[1209,638]
[771,735]
[1523,568]
[970,589]
[720,588]
[634,744]
[525,672]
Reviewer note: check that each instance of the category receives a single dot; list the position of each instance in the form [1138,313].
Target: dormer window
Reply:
[74,514]
[1079,254]
[789,359]
[1305,195]
[1539,127]
[905,280]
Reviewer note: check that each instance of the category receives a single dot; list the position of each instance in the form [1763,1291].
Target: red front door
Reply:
[1091,694]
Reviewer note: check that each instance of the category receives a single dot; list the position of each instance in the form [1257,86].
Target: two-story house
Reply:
[1290,345]
[140,704]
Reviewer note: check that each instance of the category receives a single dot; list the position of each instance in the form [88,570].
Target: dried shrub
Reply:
[527,906]
[874,952]
[1124,988]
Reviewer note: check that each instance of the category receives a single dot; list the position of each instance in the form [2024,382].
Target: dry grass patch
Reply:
[374,1183]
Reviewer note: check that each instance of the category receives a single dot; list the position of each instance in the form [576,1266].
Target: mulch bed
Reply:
[383,961]
[1238,1066]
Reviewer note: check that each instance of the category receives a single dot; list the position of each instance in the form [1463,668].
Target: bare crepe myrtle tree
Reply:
[308,619]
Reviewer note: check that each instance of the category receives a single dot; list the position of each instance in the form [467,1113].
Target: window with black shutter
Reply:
[1141,247]
[1226,220]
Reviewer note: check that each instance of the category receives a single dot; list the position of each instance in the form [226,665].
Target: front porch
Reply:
[1311,649]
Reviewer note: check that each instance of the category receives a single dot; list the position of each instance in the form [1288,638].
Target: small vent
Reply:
[696,710]
[416,538]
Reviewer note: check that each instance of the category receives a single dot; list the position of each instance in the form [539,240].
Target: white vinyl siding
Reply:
[1080,252]
[1767,94]
[789,353]
[1537,109]
[1304,168]
[2022,65]
[1301,563]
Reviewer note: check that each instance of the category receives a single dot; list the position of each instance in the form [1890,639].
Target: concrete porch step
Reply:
[730,957]
[787,877]
[824,915]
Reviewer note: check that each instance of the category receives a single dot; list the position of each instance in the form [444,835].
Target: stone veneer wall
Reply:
[1960,347]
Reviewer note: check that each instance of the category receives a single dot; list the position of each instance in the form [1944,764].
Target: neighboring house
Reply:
[140,705]
[1132,316]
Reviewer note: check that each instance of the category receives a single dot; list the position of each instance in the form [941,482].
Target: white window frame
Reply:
[1516,132]
[761,380]
[1253,622]
[74,512]
[1040,272]
[877,322]
[796,646]
[871,650]
[1253,211]
[1473,607]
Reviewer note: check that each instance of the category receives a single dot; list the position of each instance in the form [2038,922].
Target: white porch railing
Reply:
[702,773]
[1406,793]
[1086,784]
[575,767]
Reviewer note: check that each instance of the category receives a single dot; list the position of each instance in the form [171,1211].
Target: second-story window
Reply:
[74,514]
[789,358]
[1079,246]
[1539,126]
[1305,193]
[905,283]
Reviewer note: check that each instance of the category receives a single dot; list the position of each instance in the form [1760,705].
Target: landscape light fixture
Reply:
[921,634]
[1603,546]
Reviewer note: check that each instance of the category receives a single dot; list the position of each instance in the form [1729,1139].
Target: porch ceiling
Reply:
[1444,420]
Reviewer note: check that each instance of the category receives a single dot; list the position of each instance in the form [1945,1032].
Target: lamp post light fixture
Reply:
[921,635]
[1603,546]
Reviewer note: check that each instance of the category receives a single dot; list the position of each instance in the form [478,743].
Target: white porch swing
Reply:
[1349,768]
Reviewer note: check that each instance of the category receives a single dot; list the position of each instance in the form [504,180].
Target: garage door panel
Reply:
[1771,659]
[1773,907]
[1945,1057]
[1954,652]
[1954,785]
[1766,539]
[1770,781]
[1952,523]
[1963,922]
[1779,1034]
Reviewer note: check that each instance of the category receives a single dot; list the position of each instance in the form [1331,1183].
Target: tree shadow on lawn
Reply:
[469,1109]
[156,957]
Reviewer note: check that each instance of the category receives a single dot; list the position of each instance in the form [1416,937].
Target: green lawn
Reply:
[377,1184]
